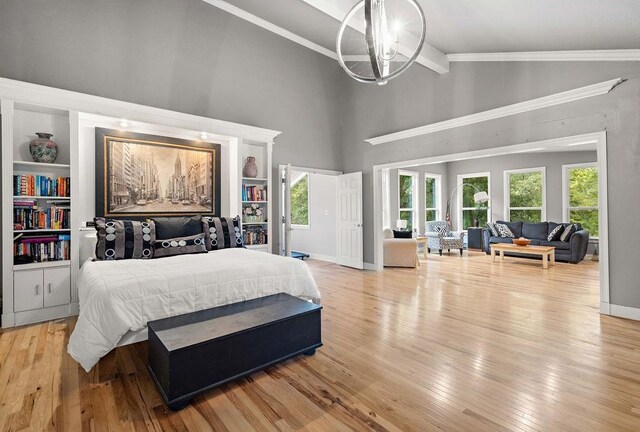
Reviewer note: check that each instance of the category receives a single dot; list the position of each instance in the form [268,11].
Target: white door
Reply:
[27,290]
[349,211]
[285,231]
[57,286]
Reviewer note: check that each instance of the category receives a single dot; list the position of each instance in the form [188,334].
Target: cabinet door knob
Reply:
[49,287]
[37,289]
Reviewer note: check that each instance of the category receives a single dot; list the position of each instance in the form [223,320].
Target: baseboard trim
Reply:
[605,308]
[370,266]
[624,312]
[326,258]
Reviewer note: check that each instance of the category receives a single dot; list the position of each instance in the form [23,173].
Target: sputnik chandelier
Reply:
[380,39]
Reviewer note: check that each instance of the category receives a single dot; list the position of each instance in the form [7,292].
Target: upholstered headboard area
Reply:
[88,240]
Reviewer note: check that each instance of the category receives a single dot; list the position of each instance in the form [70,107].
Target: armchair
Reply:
[399,252]
[440,237]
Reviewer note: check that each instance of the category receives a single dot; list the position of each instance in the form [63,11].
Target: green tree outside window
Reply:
[300,201]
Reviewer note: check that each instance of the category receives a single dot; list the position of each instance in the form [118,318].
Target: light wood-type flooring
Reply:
[459,344]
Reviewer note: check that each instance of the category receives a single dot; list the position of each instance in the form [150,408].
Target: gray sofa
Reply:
[572,251]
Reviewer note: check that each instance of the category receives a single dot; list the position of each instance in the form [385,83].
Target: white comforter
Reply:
[119,296]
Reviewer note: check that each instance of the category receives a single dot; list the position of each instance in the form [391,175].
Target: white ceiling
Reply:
[479,26]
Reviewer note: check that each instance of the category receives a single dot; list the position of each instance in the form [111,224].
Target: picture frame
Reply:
[140,175]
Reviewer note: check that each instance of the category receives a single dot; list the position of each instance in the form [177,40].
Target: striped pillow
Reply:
[222,232]
[124,239]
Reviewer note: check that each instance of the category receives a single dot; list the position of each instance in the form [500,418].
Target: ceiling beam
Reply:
[581,55]
[241,13]
[429,57]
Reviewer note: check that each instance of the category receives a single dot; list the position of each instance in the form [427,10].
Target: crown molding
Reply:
[241,13]
[36,94]
[583,55]
[508,110]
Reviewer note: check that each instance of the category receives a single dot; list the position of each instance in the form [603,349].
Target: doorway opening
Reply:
[560,180]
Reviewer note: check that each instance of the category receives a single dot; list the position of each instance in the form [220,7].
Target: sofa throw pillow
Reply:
[222,232]
[566,233]
[555,234]
[177,226]
[124,239]
[179,246]
[504,231]
[401,234]
[492,228]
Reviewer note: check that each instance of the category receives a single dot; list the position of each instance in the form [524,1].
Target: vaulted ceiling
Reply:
[476,26]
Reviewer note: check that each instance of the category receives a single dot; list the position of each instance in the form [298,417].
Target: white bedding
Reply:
[121,296]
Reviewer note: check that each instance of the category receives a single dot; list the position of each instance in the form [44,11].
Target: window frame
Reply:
[507,192]
[438,195]
[460,209]
[308,225]
[566,209]
[414,198]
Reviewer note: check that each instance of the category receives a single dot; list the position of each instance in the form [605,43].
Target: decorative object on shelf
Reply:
[139,175]
[43,149]
[253,213]
[521,241]
[394,33]
[478,197]
[250,169]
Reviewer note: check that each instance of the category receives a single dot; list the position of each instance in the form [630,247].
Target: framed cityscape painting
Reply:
[139,175]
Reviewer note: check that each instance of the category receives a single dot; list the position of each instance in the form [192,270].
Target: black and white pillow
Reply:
[556,233]
[492,228]
[222,232]
[568,230]
[124,239]
[179,246]
[504,231]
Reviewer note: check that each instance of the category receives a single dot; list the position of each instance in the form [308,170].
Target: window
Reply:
[432,197]
[408,194]
[471,211]
[580,195]
[524,195]
[300,200]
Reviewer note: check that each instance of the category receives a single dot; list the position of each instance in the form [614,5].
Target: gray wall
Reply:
[420,97]
[319,238]
[182,55]
[498,164]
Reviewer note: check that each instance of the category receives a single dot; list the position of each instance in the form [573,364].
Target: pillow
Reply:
[555,234]
[566,234]
[222,232]
[442,229]
[124,239]
[492,228]
[179,246]
[402,234]
[173,227]
[504,231]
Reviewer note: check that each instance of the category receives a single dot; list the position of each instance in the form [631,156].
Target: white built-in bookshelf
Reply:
[255,194]
[37,207]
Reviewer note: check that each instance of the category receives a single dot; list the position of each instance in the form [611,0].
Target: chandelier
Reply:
[380,39]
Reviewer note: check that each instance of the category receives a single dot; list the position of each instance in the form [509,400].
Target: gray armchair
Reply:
[440,237]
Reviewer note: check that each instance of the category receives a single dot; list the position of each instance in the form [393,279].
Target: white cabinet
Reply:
[27,290]
[57,286]
[41,288]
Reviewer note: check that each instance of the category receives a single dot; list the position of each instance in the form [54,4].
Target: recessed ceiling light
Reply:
[204,135]
[124,123]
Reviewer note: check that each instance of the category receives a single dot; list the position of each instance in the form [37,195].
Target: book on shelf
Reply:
[41,186]
[42,248]
[254,193]
[27,215]
[255,236]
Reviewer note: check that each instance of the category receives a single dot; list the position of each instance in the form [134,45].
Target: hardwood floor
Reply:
[459,344]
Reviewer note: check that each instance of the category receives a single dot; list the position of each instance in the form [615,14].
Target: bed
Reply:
[118,298]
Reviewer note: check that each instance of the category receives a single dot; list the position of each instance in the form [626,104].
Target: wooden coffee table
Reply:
[548,253]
